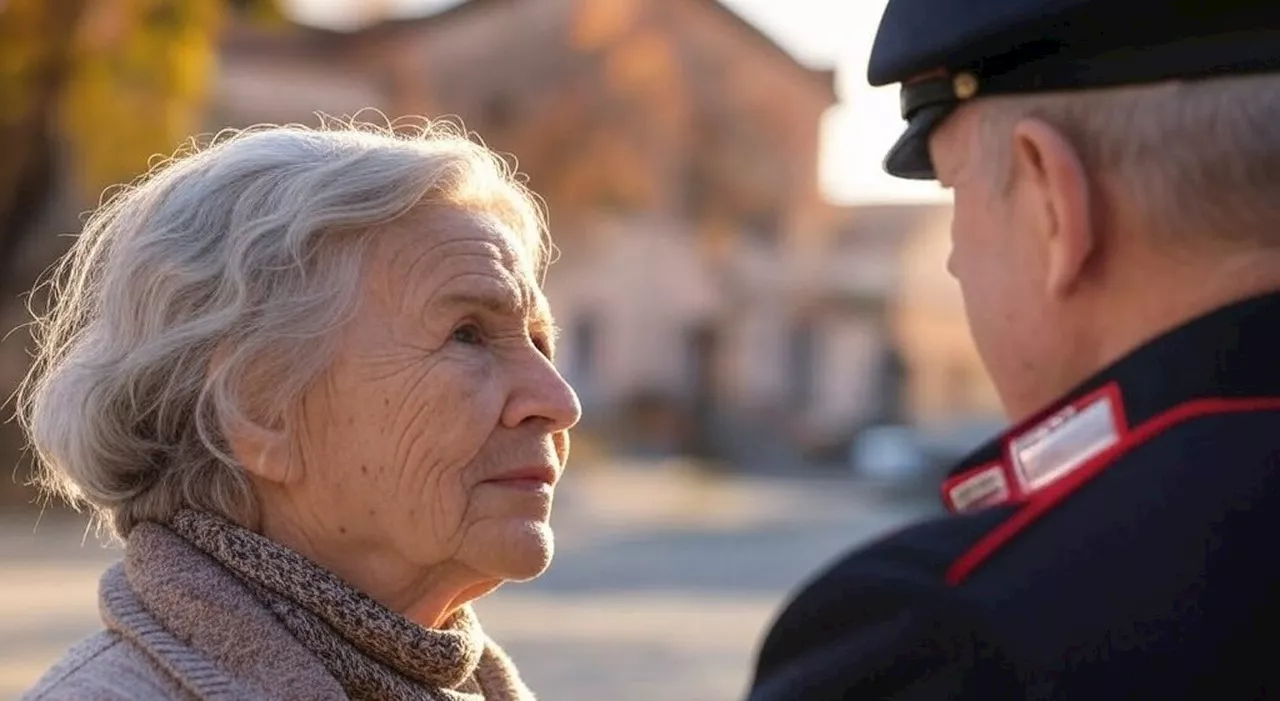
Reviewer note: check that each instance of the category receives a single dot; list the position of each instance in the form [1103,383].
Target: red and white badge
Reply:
[1044,453]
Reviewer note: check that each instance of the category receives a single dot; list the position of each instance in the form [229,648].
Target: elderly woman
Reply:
[307,377]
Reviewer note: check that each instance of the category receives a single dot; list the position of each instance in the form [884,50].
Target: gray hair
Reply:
[208,295]
[1201,156]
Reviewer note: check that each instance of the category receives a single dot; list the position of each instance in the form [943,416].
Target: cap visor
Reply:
[909,157]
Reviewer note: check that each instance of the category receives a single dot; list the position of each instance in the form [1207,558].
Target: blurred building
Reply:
[946,383]
[711,299]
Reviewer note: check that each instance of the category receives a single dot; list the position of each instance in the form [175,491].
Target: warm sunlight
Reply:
[821,32]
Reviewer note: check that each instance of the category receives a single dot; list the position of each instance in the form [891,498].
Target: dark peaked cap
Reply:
[947,51]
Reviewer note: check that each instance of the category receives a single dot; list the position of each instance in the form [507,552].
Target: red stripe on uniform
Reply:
[1042,501]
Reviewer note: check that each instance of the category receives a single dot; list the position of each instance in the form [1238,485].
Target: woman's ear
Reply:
[264,450]
[265,453]
[1056,186]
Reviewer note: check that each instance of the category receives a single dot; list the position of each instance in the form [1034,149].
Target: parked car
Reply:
[902,454]
[948,443]
[888,453]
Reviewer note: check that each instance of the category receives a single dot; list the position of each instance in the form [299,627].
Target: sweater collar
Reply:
[203,627]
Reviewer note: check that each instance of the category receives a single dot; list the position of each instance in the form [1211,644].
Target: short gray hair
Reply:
[1194,156]
[250,250]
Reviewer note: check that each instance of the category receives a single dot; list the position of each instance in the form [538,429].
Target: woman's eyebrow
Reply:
[497,303]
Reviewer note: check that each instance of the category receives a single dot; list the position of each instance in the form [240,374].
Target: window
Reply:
[698,192]
[762,228]
[803,359]
[959,386]
[892,380]
[498,111]
[582,356]
[701,344]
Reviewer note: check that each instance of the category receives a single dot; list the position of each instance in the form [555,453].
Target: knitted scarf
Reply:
[373,652]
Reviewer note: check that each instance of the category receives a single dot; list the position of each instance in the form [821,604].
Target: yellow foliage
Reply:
[140,72]
[646,70]
[643,60]
[135,75]
[597,24]
[607,167]
[28,46]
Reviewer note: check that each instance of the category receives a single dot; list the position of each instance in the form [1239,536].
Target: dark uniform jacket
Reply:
[1124,544]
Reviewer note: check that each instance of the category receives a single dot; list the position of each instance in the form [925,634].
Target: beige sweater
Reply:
[180,626]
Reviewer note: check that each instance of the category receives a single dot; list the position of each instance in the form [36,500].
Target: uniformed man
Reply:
[1116,173]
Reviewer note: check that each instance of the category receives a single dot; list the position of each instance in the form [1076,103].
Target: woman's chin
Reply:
[525,552]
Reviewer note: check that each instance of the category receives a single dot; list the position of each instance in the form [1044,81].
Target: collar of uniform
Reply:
[1229,353]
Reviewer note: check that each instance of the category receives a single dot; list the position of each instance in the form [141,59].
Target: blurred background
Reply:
[772,359]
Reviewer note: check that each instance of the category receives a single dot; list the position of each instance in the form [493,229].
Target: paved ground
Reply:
[663,582]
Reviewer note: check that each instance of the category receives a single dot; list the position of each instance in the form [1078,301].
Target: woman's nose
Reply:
[540,392]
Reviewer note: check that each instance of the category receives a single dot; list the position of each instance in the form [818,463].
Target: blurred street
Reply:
[663,582]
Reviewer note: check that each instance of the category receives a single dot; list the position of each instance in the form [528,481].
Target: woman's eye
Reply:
[469,334]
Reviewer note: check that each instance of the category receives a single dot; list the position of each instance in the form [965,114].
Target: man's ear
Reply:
[1056,188]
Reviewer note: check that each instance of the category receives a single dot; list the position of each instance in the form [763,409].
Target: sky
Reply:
[826,33]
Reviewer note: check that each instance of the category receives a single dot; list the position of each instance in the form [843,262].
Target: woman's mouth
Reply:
[531,478]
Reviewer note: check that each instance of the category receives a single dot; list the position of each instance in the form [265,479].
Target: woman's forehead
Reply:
[449,236]
[452,251]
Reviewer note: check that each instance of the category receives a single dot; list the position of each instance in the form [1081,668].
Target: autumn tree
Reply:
[108,82]
[99,86]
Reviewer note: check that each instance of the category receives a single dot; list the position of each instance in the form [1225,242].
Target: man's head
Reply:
[1084,223]
[1089,218]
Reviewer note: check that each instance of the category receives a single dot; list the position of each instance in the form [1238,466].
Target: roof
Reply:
[310,40]
[825,76]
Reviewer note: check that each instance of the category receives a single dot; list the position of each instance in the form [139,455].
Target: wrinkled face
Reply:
[999,260]
[439,432]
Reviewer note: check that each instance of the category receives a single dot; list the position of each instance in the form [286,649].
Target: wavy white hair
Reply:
[251,248]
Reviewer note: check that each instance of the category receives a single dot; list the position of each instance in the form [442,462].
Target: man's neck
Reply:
[1173,294]
[1166,299]
[1148,301]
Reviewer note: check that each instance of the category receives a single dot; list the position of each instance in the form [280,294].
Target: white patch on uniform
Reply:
[1064,442]
[982,488]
